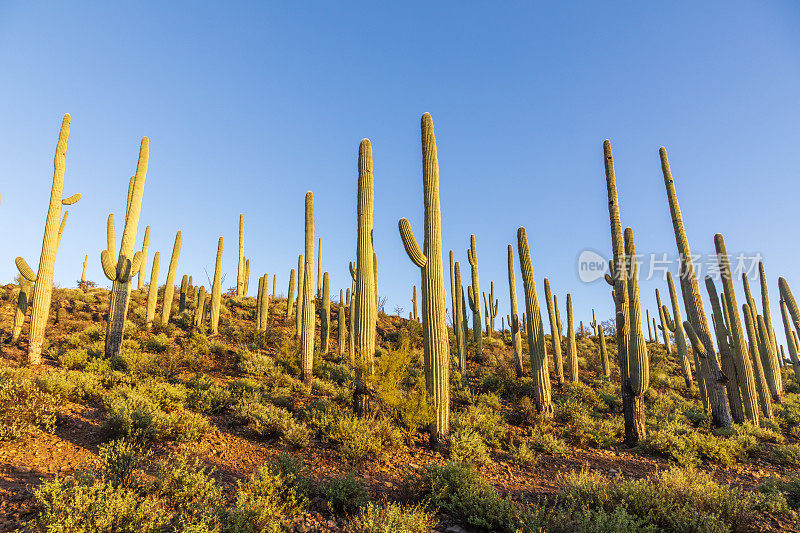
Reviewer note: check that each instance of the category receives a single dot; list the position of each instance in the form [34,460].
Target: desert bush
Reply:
[391,518]
[156,344]
[24,407]
[72,385]
[544,441]
[522,455]
[467,446]
[321,415]
[345,493]
[485,421]
[362,439]
[267,498]
[788,454]
[75,358]
[205,396]
[195,499]
[119,461]
[137,416]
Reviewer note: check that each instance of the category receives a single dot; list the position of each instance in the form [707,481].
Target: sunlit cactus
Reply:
[216,290]
[473,293]
[25,288]
[460,322]
[674,324]
[555,332]
[169,287]
[572,347]
[240,269]
[152,291]
[83,273]
[435,343]
[127,263]
[301,276]
[53,228]
[760,381]
[182,297]
[143,267]
[262,303]
[309,320]
[513,318]
[290,296]
[325,330]
[341,349]
[199,310]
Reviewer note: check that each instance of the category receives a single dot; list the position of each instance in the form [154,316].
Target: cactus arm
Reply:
[110,234]
[123,270]
[109,267]
[410,243]
[24,269]
[668,319]
[471,298]
[694,339]
[136,263]
[352,271]
[72,199]
[61,229]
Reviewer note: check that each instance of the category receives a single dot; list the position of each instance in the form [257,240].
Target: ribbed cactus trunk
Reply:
[298,311]
[169,287]
[772,370]
[366,303]
[290,296]
[309,318]
[240,268]
[664,328]
[351,322]
[262,303]
[143,268]
[536,343]
[762,389]
[791,346]
[216,290]
[375,280]
[319,268]
[572,347]
[516,337]
[199,311]
[473,294]
[762,277]
[128,263]
[182,297]
[453,306]
[726,352]
[638,359]
[649,329]
[460,321]
[275,286]
[744,366]
[342,348]
[414,304]
[246,276]
[555,332]
[25,288]
[53,227]
[594,324]
[83,272]
[603,353]
[325,330]
[152,291]
[695,314]
[435,344]
[675,325]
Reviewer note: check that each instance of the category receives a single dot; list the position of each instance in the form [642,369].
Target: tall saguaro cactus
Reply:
[152,291]
[240,269]
[664,329]
[555,332]
[460,322]
[325,330]
[473,293]
[572,347]
[695,314]
[23,297]
[128,263]
[513,318]
[309,319]
[341,349]
[414,304]
[435,344]
[536,344]
[725,351]
[760,380]
[143,268]
[290,296]
[366,303]
[741,359]
[169,287]
[298,311]
[53,228]
[675,325]
[83,272]
[638,360]
[216,290]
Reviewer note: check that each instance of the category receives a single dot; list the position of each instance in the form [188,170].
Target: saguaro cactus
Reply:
[772,370]
[301,276]
[290,296]
[791,346]
[473,294]
[319,267]
[676,327]
[216,290]
[152,290]
[725,351]
[127,263]
[638,359]
[491,309]
[460,323]
[246,276]
[603,353]
[695,314]
[169,287]
[199,311]
[513,318]
[366,303]
[182,297]
[536,344]
[240,269]
[765,307]
[555,332]
[649,329]
[572,348]
[25,288]
[436,348]
[262,303]
[744,367]
[325,330]
[83,273]
[143,268]
[53,228]
[309,320]
[762,389]
[414,304]
[664,328]
[341,323]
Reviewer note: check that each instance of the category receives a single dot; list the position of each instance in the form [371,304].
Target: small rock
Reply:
[455,529]
[331,524]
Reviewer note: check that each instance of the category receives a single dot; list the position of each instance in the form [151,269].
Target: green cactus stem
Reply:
[128,263]
[199,311]
[325,330]
[762,389]
[182,297]
[25,289]
[649,329]
[143,268]
[603,353]
[572,348]
[664,328]
[169,287]
[216,291]
[83,273]
[309,317]
[53,228]
[414,304]
[770,363]
[341,349]
[741,359]
[513,318]
[473,292]
[676,327]
[319,268]
[726,352]
[262,303]
[290,296]
[536,341]
[301,276]
[791,346]
[152,291]
[351,322]
[460,322]
[555,332]
[435,343]
[241,265]
[712,375]
[638,358]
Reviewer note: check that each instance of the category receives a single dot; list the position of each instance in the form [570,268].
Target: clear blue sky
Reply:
[249,105]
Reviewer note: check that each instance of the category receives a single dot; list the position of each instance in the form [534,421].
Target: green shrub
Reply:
[72,385]
[156,344]
[24,407]
[266,499]
[321,415]
[778,488]
[119,460]
[139,417]
[345,493]
[75,358]
[362,439]
[195,498]
[522,455]
[483,420]
[255,364]
[788,454]
[391,517]
[467,446]
[545,442]
[205,396]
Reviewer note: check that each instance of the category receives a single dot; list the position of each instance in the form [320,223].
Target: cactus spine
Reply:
[473,293]
[25,288]
[675,325]
[246,276]
[169,287]
[326,315]
[301,276]
[143,268]
[572,348]
[459,328]
[744,367]
[152,291]
[649,329]
[695,314]
[436,348]
[771,365]
[791,346]
[513,318]
[536,344]
[216,290]
[53,228]
[184,290]
[127,263]
[664,329]
[309,319]
[290,296]
[765,306]
[366,302]
[555,332]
